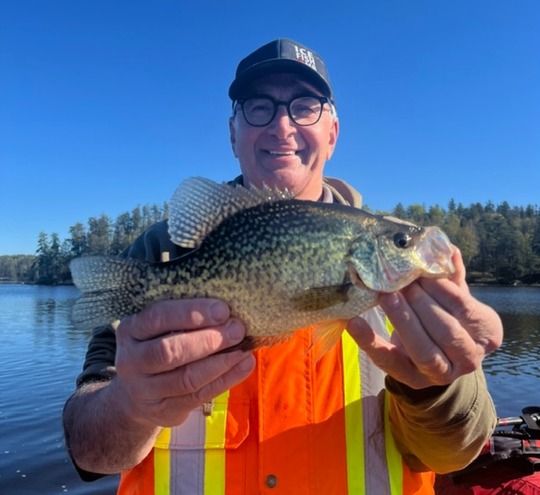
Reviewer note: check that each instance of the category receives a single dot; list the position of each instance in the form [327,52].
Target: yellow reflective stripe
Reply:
[389,326]
[214,459]
[162,464]
[393,457]
[354,431]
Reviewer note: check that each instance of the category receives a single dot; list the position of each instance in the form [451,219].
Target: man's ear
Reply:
[332,139]
[232,135]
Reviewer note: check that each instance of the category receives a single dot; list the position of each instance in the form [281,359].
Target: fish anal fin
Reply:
[325,336]
[269,340]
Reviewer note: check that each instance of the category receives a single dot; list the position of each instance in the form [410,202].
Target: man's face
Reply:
[283,154]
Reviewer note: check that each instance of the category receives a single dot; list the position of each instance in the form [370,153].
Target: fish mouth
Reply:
[436,252]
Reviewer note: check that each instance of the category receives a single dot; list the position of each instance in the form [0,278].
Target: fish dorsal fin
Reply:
[199,205]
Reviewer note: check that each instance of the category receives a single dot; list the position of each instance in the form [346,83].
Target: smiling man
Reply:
[283,131]
[377,414]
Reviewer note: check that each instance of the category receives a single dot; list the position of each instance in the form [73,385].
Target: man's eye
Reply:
[303,110]
[260,108]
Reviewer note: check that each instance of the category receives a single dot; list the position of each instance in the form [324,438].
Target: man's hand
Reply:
[441,331]
[166,359]
[166,366]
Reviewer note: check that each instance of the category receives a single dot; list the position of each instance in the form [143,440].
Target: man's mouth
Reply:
[281,153]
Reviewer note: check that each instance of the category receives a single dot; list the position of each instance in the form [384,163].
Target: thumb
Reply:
[363,334]
[384,354]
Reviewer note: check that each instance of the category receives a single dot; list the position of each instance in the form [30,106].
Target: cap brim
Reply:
[242,81]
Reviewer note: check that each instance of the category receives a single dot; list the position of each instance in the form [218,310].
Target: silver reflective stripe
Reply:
[187,459]
[372,392]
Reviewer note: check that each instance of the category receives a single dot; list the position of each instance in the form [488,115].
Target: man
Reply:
[158,402]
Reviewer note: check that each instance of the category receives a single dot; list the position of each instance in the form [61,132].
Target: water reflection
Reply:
[510,300]
[519,309]
[513,371]
[40,356]
[52,304]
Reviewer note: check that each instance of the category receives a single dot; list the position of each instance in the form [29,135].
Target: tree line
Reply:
[499,243]
[100,235]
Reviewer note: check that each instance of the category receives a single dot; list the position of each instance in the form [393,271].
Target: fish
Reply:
[280,263]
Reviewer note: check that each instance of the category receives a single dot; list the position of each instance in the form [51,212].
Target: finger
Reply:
[173,410]
[452,294]
[422,349]
[180,314]
[480,321]
[447,330]
[385,355]
[176,349]
[190,380]
[458,277]
[456,284]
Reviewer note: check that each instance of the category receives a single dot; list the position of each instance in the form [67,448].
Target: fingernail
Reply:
[219,311]
[235,330]
[391,300]
[246,364]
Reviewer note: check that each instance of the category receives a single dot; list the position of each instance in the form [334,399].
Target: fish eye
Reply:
[402,240]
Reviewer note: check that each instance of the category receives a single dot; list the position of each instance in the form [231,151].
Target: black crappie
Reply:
[280,263]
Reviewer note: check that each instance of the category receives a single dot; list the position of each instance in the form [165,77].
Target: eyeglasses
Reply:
[303,110]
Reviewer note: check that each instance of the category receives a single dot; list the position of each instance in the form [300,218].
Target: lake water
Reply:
[41,355]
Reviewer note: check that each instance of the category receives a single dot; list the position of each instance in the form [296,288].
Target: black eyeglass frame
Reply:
[287,104]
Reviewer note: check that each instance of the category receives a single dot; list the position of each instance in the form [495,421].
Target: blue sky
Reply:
[106,104]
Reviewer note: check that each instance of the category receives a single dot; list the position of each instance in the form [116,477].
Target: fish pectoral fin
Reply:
[325,336]
[317,298]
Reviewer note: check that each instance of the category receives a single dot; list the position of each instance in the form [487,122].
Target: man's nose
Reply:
[281,124]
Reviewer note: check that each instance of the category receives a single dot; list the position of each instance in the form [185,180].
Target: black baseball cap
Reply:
[281,55]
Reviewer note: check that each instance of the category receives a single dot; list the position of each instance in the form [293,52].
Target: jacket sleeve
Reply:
[445,430]
[99,361]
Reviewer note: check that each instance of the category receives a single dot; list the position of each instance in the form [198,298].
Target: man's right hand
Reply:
[166,365]
[166,359]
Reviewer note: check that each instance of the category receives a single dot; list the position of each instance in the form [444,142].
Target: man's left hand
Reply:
[441,331]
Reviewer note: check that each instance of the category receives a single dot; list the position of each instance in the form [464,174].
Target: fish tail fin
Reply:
[325,336]
[108,286]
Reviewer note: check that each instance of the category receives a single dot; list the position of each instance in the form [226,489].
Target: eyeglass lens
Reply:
[304,110]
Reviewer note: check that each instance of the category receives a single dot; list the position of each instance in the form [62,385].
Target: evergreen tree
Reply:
[43,261]
[536,237]
[123,234]
[99,235]
[78,240]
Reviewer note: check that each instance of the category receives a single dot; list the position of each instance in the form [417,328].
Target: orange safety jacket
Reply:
[295,426]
